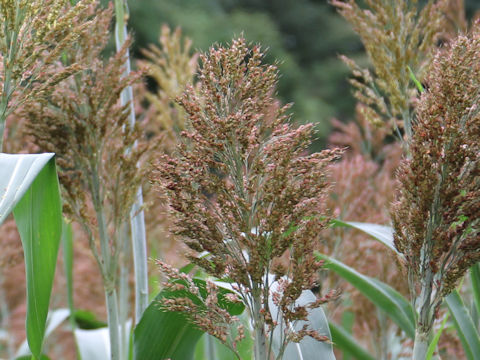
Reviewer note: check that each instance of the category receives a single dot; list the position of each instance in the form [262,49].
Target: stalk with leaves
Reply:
[244,191]
[436,215]
[137,218]
[84,122]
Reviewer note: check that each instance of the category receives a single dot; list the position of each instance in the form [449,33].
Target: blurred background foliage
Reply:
[304,36]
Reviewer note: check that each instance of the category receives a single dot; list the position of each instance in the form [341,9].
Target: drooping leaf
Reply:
[17,174]
[162,334]
[465,328]
[54,319]
[345,342]
[93,344]
[307,348]
[347,321]
[382,233]
[382,295]
[38,215]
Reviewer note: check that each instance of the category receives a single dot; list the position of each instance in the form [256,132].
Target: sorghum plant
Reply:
[436,215]
[172,67]
[244,189]
[33,35]
[100,170]
[398,38]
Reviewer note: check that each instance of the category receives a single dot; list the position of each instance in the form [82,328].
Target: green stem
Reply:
[137,220]
[421,344]
[260,343]
[425,318]
[113,324]
[124,293]
[2,130]
[108,272]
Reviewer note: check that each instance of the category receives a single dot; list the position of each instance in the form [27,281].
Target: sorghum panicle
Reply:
[243,187]
[396,35]
[172,66]
[33,36]
[436,215]
[83,122]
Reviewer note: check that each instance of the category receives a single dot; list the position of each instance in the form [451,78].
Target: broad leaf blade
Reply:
[382,295]
[465,328]
[381,233]
[39,220]
[54,319]
[163,334]
[307,348]
[93,344]
[345,342]
[17,174]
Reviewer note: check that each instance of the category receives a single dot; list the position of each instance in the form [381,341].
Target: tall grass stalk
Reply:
[137,218]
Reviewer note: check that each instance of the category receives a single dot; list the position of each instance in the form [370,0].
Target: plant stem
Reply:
[108,272]
[113,323]
[139,246]
[425,317]
[259,325]
[2,130]
[123,292]
[421,344]
[137,220]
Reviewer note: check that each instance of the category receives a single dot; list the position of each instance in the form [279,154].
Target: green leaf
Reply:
[307,348]
[382,295]
[210,347]
[93,344]
[347,321]
[18,173]
[345,342]
[465,328]
[417,83]
[382,233]
[87,320]
[39,220]
[436,338]
[54,319]
[163,334]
